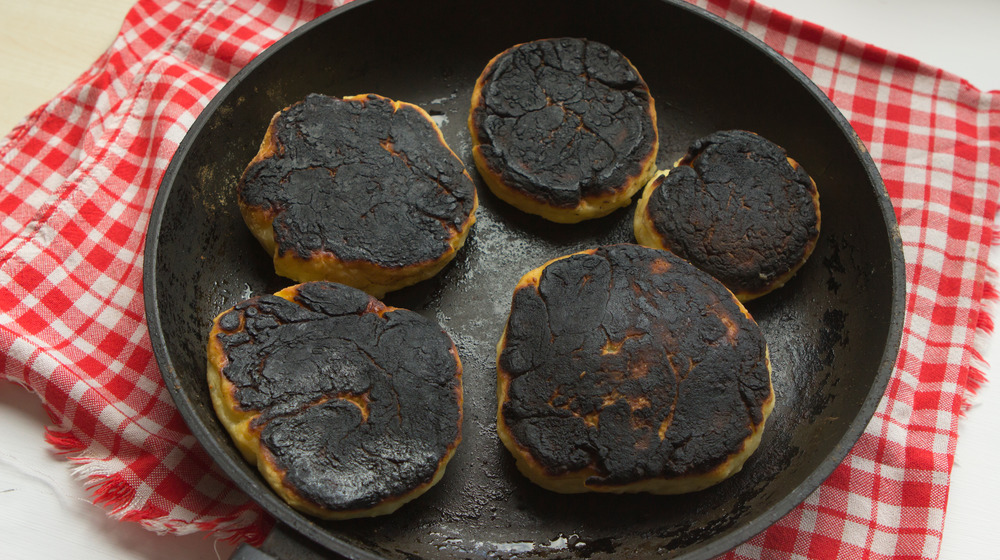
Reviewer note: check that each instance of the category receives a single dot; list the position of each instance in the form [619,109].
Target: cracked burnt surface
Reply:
[561,120]
[630,361]
[362,178]
[736,207]
[358,402]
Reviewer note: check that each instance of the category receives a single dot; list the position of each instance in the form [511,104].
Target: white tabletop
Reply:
[37,491]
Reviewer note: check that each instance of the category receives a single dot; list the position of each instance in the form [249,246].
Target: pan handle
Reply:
[283,543]
[247,552]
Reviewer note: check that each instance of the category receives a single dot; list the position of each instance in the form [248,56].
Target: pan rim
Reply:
[727,540]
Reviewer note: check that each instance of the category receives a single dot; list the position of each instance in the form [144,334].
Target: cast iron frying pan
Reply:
[833,331]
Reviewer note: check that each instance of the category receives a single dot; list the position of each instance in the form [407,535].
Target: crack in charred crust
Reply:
[360,400]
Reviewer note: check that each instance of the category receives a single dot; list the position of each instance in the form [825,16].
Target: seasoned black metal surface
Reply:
[833,331]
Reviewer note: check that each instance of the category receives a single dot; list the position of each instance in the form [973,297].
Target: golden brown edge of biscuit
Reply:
[642,222]
[374,279]
[588,208]
[646,234]
[222,393]
[247,440]
[576,482]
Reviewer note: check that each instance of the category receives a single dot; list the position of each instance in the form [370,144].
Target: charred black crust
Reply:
[563,120]
[737,209]
[298,364]
[573,404]
[361,181]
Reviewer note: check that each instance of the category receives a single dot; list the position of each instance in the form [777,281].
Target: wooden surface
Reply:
[45,44]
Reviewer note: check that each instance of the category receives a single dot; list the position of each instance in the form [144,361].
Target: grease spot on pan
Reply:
[511,549]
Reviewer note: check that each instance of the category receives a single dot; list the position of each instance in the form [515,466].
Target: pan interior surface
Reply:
[833,331]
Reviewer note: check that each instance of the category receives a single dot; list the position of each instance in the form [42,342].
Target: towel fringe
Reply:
[985,327]
[113,492]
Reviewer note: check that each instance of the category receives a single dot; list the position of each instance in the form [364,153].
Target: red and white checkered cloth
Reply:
[79,176]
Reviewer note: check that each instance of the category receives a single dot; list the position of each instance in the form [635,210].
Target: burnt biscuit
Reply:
[563,128]
[360,190]
[737,207]
[625,369]
[348,407]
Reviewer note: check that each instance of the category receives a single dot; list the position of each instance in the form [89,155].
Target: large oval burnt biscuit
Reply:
[361,190]
[626,369]
[348,407]
[737,207]
[563,128]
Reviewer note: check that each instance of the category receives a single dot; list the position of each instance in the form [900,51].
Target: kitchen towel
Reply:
[79,176]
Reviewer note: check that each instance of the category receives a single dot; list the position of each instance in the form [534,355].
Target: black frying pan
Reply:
[833,331]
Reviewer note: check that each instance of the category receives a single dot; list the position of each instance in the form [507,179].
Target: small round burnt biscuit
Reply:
[361,190]
[563,128]
[348,407]
[626,369]
[737,207]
